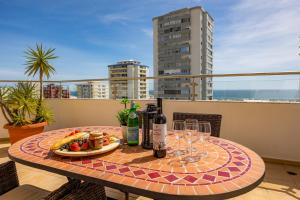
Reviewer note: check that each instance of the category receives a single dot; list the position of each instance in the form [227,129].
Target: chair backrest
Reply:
[214,119]
[8,177]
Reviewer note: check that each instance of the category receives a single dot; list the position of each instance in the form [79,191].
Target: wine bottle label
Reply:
[132,115]
[151,131]
[159,136]
[151,136]
[133,133]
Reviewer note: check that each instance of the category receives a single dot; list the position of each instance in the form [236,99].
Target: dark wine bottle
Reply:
[159,132]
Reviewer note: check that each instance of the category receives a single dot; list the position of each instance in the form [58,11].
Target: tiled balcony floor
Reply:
[278,184]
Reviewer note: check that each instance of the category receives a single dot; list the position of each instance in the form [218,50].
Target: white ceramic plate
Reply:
[104,149]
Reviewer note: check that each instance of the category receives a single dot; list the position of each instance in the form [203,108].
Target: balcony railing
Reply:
[269,86]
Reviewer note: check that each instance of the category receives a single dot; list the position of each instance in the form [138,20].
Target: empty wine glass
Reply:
[191,136]
[194,149]
[205,132]
[179,129]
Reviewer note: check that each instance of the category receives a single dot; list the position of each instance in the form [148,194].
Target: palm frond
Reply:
[37,61]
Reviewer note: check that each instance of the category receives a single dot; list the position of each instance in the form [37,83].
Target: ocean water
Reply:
[272,95]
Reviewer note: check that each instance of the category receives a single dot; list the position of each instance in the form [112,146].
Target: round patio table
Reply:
[229,170]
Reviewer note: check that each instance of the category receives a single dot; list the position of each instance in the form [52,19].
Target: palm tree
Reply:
[37,63]
[125,101]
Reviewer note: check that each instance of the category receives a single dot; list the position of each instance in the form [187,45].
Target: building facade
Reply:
[56,91]
[93,90]
[131,89]
[183,45]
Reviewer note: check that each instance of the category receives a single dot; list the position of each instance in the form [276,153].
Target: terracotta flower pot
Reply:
[17,133]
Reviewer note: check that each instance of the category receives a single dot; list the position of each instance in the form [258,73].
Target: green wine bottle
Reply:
[133,126]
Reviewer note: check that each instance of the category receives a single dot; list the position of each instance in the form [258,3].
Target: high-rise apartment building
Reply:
[132,89]
[93,90]
[183,45]
[56,91]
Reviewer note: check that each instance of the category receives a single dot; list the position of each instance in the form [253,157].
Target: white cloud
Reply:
[11,73]
[114,18]
[148,32]
[259,36]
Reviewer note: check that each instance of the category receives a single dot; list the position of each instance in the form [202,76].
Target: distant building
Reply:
[54,91]
[183,45]
[93,90]
[132,89]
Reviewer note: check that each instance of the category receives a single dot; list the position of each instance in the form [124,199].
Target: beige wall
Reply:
[270,129]
[3,132]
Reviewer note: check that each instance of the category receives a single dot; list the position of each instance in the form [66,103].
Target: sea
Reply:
[268,95]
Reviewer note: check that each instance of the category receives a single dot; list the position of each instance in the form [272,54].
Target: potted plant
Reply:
[123,117]
[25,112]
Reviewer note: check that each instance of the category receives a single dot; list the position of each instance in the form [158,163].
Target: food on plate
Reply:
[77,141]
[75,146]
[85,146]
[96,140]
[69,140]
[73,133]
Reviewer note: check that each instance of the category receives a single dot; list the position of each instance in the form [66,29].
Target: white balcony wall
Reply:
[270,129]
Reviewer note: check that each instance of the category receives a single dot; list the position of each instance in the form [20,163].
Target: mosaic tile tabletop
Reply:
[229,167]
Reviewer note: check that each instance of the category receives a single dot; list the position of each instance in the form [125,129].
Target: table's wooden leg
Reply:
[69,179]
[126,195]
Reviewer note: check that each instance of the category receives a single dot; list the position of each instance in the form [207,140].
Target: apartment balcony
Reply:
[271,129]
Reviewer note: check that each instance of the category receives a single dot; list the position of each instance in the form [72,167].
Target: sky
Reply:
[249,36]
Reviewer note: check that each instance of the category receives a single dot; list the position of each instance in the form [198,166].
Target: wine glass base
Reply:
[194,149]
[191,159]
[202,154]
[179,152]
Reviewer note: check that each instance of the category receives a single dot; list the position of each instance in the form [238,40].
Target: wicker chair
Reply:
[8,177]
[214,119]
[87,191]
[73,189]
[9,185]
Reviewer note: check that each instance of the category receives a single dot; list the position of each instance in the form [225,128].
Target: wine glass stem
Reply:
[191,149]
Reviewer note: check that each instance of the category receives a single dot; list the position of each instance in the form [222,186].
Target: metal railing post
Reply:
[193,84]
[60,90]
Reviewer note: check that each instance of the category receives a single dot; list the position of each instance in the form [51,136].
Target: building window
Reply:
[185,49]
[172,91]
[177,29]
[183,20]
[176,36]
[185,71]
[209,52]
